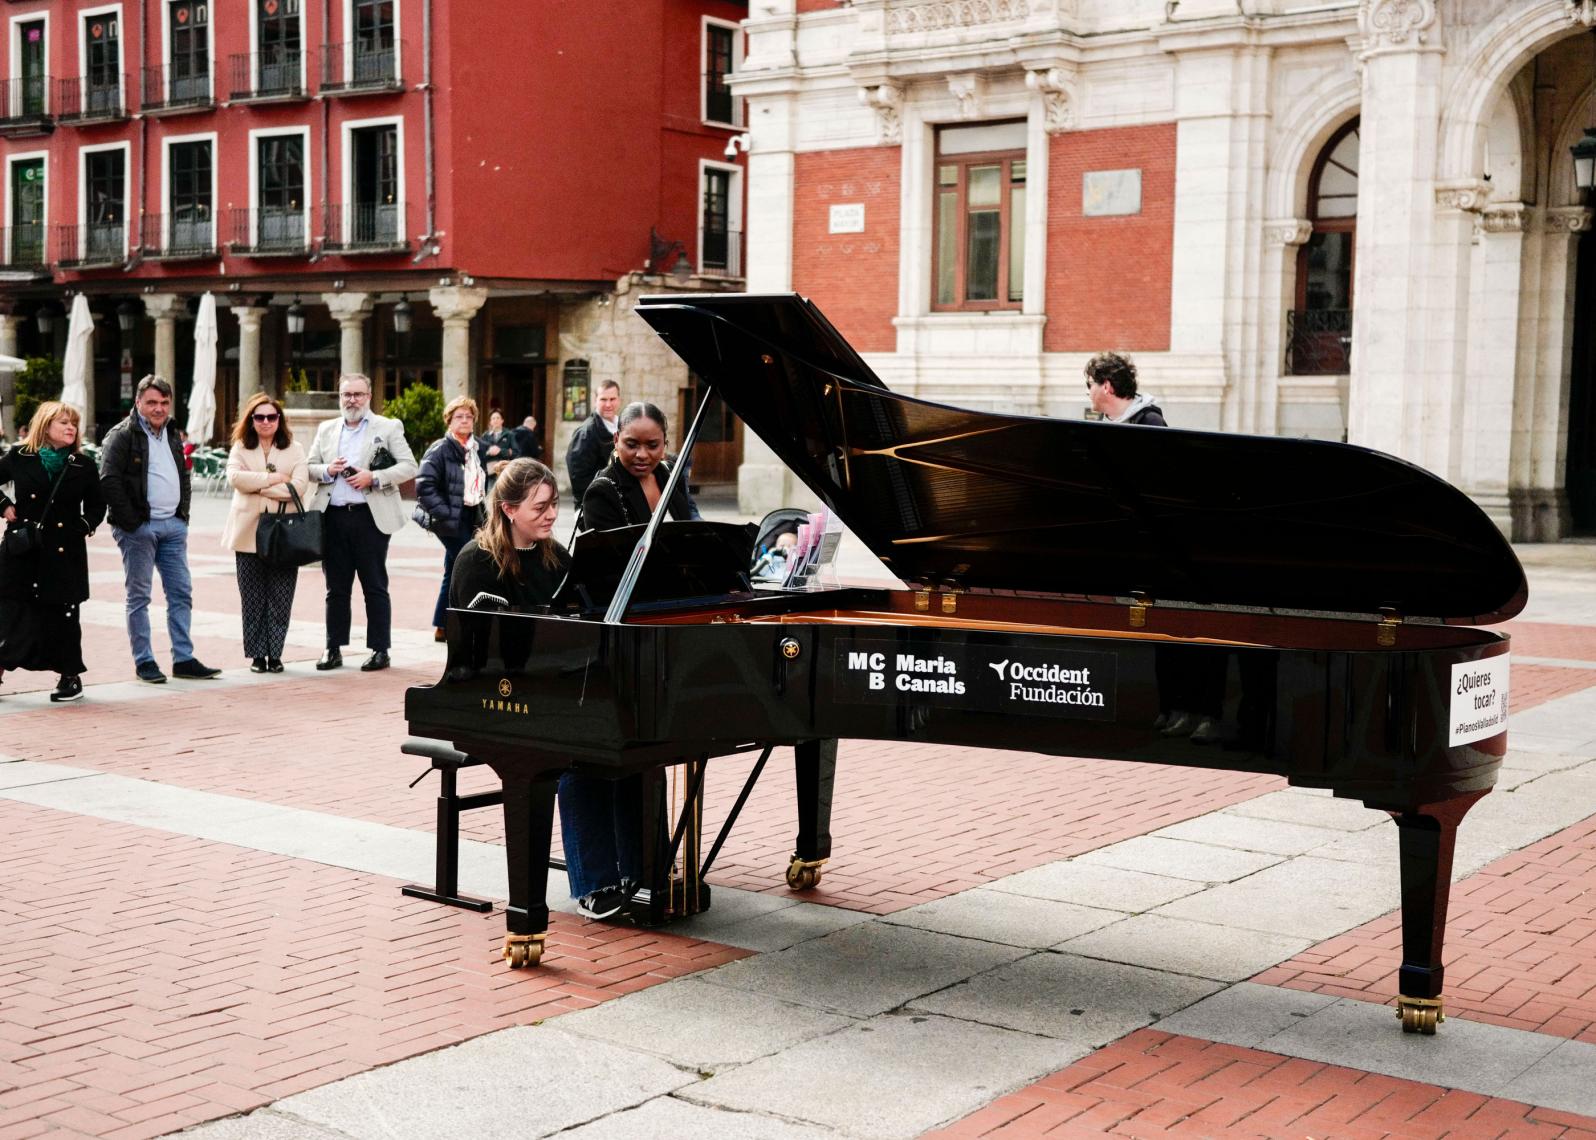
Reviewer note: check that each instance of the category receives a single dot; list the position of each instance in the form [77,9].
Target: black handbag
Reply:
[284,541]
[21,540]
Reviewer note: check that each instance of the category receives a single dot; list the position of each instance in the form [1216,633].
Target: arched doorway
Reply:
[1319,327]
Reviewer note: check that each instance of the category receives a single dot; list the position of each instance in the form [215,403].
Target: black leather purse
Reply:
[284,541]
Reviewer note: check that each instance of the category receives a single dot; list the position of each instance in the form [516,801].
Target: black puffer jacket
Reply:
[440,487]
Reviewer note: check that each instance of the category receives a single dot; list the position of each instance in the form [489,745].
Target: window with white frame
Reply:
[103,229]
[189,51]
[979,221]
[281,177]
[30,67]
[722,54]
[720,196]
[26,210]
[279,45]
[190,195]
[373,211]
[101,81]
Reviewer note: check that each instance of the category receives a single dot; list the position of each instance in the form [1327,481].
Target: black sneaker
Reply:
[602,903]
[194,669]
[258,665]
[150,671]
[68,688]
[274,664]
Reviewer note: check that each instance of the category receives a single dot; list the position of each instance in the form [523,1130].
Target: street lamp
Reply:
[46,318]
[127,317]
[1585,160]
[401,317]
[296,331]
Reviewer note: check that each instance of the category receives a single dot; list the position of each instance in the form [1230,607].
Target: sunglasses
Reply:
[266,418]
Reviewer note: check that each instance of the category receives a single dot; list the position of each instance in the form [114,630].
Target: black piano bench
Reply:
[447,762]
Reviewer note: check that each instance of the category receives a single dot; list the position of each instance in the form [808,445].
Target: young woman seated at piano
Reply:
[631,485]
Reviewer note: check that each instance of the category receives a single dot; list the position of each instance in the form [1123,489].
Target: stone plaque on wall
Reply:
[1111,193]
[848,218]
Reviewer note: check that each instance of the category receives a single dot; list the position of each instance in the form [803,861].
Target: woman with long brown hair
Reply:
[57,505]
[262,466]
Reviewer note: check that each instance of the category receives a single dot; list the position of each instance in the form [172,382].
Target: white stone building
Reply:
[1330,218]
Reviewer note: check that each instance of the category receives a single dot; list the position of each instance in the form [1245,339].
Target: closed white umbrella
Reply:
[79,358]
[202,398]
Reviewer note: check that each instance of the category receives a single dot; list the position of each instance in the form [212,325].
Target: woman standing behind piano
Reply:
[514,555]
[632,484]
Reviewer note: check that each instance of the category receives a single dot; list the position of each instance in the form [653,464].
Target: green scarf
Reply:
[53,458]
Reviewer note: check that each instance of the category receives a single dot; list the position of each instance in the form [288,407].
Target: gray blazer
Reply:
[388,509]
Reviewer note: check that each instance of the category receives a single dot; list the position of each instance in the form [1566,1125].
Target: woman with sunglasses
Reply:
[263,465]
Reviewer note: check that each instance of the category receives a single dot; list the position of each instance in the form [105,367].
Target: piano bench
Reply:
[447,762]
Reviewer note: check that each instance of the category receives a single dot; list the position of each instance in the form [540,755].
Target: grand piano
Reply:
[1071,585]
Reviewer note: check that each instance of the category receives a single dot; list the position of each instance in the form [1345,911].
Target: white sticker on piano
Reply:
[1479,700]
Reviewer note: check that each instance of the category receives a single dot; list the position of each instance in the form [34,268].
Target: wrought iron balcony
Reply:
[365,228]
[25,106]
[722,252]
[270,75]
[1318,342]
[183,235]
[361,68]
[170,90]
[22,250]
[92,245]
[98,98]
[270,232]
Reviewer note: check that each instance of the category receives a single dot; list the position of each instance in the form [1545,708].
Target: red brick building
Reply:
[499,171]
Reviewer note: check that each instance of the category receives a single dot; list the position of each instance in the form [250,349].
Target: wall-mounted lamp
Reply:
[401,317]
[296,319]
[127,317]
[45,318]
[1585,160]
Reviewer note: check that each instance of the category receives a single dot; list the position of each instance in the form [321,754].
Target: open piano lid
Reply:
[1039,505]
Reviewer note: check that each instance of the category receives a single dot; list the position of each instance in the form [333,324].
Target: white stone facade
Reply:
[1468,220]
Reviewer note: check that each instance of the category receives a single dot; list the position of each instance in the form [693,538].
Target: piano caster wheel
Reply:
[803,876]
[523,949]
[1420,1015]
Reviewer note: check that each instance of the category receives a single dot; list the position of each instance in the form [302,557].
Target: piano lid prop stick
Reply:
[634,566]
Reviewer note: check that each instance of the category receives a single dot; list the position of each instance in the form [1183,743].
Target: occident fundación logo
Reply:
[978,678]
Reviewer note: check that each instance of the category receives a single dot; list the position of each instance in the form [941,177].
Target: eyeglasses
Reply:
[354,397]
[265,417]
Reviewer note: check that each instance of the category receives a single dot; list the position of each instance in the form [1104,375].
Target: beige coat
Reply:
[247,474]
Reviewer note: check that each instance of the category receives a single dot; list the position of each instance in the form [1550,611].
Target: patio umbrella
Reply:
[202,398]
[79,358]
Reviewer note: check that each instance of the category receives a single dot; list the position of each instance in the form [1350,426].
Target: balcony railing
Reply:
[25,106]
[267,75]
[722,253]
[94,244]
[22,249]
[361,68]
[173,89]
[92,99]
[1318,342]
[184,235]
[364,228]
[270,232]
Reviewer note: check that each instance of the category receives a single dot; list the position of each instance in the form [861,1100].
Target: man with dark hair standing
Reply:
[146,487]
[594,442]
[1111,385]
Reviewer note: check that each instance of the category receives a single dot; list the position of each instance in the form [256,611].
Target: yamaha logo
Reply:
[504,686]
[790,648]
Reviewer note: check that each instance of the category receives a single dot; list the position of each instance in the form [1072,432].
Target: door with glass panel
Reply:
[29,95]
[102,50]
[190,80]
[715,240]
[373,59]
[281,203]
[192,224]
[280,46]
[26,223]
[105,200]
[374,213]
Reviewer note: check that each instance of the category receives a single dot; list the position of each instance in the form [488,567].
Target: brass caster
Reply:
[523,949]
[802,876]
[1420,1015]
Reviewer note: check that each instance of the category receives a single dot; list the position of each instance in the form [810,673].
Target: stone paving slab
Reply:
[1200,862]
[1184,947]
[1012,919]
[1308,897]
[667,1118]
[1097,886]
[1249,833]
[783,924]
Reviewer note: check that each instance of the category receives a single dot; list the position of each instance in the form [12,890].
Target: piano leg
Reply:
[528,831]
[816,764]
[1427,835]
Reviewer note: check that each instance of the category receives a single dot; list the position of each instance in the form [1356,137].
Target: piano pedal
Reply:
[644,909]
[1420,1015]
[523,949]
[803,876]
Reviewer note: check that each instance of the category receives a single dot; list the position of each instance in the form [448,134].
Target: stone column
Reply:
[351,311]
[163,308]
[8,379]
[455,306]
[1491,391]
[249,317]
[1276,295]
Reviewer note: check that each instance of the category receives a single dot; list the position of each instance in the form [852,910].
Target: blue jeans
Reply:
[160,544]
[601,824]
[453,544]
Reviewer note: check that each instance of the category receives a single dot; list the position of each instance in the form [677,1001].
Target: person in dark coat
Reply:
[631,484]
[497,444]
[1111,386]
[527,443]
[451,487]
[57,496]
[594,440]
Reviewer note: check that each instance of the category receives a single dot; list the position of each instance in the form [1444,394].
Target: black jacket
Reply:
[475,572]
[124,466]
[591,448]
[527,444]
[440,487]
[615,498]
[60,572]
[504,441]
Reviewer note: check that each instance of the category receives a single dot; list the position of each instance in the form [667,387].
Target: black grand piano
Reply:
[1071,584]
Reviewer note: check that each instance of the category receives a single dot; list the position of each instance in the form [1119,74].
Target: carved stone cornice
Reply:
[1582,11]
[1568,220]
[1398,25]
[886,99]
[1287,231]
[1503,218]
[968,90]
[1469,196]
[911,16]
[1057,88]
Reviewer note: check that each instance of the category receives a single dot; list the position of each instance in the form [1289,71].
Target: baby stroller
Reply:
[770,553]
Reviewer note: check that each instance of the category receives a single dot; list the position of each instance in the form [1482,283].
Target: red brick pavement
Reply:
[1521,944]
[1549,639]
[1156,1084]
[150,981]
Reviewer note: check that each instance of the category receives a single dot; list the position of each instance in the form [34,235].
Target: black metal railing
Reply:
[171,89]
[96,98]
[348,69]
[187,234]
[267,75]
[364,228]
[96,243]
[25,103]
[269,231]
[22,248]
[1318,342]
[722,252]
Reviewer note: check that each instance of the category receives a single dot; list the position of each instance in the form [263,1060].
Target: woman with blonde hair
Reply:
[262,467]
[451,488]
[44,559]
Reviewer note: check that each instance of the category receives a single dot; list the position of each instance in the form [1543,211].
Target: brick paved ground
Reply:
[1156,1084]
